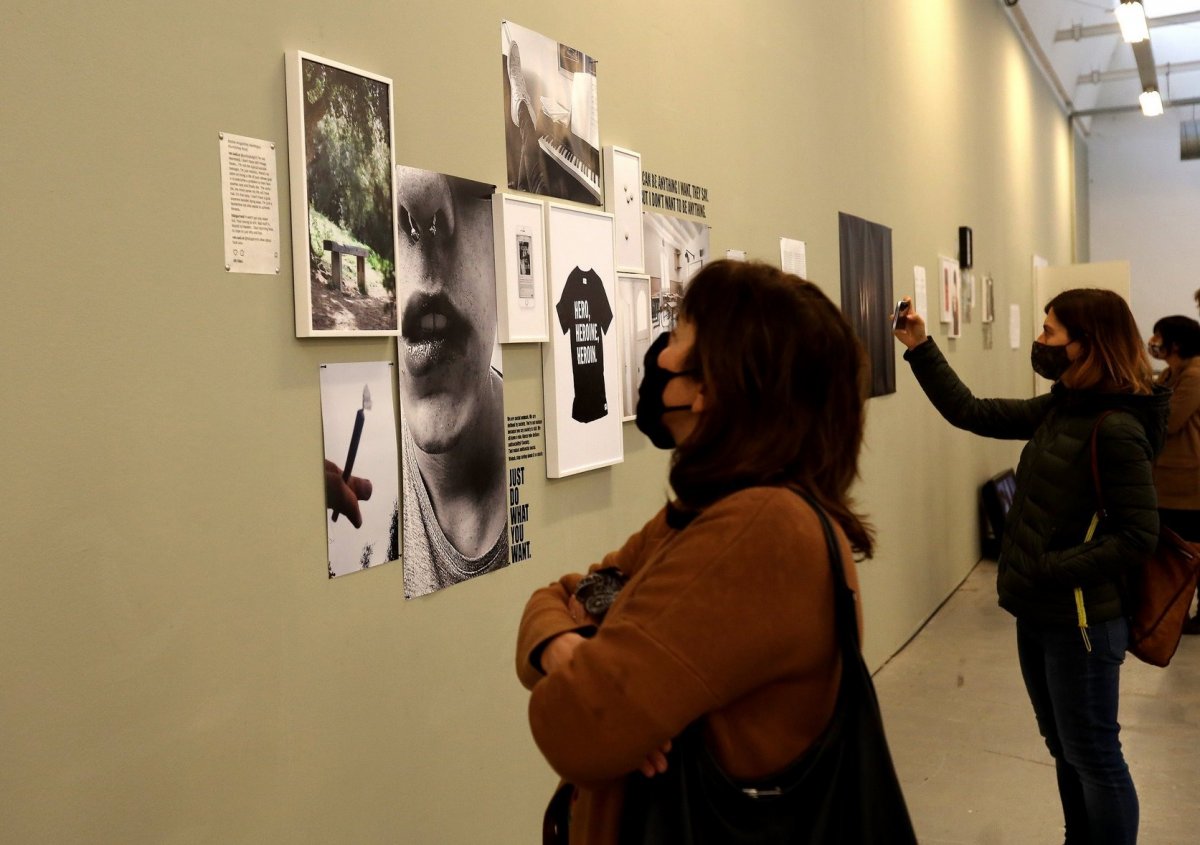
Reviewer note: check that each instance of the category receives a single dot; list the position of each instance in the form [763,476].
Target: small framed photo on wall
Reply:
[581,363]
[956,305]
[989,299]
[519,224]
[635,334]
[948,278]
[341,159]
[623,197]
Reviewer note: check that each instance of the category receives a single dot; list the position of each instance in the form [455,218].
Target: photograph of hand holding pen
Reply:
[365,487]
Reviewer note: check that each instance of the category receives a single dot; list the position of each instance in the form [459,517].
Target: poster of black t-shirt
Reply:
[584,312]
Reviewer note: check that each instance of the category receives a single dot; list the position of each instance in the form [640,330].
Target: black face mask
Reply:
[1048,361]
[650,407]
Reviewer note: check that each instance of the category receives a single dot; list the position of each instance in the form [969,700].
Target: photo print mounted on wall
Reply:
[519,223]
[581,363]
[989,299]
[867,302]
[675,249]
[551,122]
[634,335]
[362,473]
[956,304]
[623,197]
[451,382]
[948,284]
[343,229]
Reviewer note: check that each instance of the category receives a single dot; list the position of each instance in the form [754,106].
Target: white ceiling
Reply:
[1099,71]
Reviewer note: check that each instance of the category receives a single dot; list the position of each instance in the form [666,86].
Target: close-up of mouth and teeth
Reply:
[434,332]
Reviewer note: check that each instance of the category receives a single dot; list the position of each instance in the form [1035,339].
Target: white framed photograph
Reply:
[519,224]
[989,299]
[948,273]
[581,363]
[634,333]
[341,159]
[623,197]
[956,304]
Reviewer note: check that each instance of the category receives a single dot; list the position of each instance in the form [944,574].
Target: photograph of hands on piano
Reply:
[551,132]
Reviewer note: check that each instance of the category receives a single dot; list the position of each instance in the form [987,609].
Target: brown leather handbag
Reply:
[1161,593]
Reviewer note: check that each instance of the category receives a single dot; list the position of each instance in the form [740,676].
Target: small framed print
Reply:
[341,159]
[623,198]
[989,299]
[956,305]
[519,225]
[948,280]
[581,363]
[634,335]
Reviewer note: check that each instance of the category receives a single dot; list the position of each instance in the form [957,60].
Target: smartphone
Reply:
[898,319]
[525,267]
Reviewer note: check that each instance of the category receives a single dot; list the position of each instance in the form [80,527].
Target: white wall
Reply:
[1145,207]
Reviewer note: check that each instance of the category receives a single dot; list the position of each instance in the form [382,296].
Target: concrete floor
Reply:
[966,746]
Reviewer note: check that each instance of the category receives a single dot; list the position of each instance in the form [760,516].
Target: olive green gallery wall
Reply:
[176,665]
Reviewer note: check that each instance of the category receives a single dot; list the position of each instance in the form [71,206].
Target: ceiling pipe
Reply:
[1077,32]
[1097,77]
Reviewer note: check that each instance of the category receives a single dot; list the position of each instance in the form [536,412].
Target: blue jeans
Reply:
[1074,695]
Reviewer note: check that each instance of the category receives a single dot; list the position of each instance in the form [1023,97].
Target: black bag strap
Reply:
[1094,449]
[844,599]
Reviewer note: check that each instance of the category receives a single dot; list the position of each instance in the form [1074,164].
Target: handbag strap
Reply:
[844,601]
[1101,513]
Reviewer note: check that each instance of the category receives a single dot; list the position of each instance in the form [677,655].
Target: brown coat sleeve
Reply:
[738,600]
[546,614]
[1185,399]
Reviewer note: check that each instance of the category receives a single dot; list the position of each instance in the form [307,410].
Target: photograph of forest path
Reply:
[348,148]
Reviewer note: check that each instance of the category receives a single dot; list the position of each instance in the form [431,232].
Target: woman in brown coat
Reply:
[1176,340]
[726,610]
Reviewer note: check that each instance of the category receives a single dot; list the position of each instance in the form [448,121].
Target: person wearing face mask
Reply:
[1176,340]
[1064,590]
[719,609]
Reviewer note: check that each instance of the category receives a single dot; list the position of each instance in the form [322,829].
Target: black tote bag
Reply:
[843,789]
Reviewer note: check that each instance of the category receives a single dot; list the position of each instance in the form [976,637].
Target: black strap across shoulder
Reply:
[842,789]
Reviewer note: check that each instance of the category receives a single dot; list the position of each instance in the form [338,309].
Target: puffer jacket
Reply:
[1043,557]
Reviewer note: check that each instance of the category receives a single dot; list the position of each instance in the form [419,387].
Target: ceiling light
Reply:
[1151,102]
[1131,15]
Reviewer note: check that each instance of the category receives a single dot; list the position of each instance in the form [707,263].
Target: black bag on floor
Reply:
[843,789]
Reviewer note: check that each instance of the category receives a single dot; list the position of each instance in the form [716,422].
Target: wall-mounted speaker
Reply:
[965,251]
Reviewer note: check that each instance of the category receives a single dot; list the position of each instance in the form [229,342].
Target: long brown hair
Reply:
[1113,359]
[784,378]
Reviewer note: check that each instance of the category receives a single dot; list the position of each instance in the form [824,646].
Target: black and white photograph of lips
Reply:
[435,333]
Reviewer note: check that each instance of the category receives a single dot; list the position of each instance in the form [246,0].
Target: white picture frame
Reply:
[956,306]
[581,363]
[948,280]
[519,226]
[623,198]
[989,299]
[326,253]
[634,335]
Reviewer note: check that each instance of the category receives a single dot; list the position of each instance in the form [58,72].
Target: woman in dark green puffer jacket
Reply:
[1065,592]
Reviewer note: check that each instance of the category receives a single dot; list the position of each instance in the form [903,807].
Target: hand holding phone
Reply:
[898,318]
